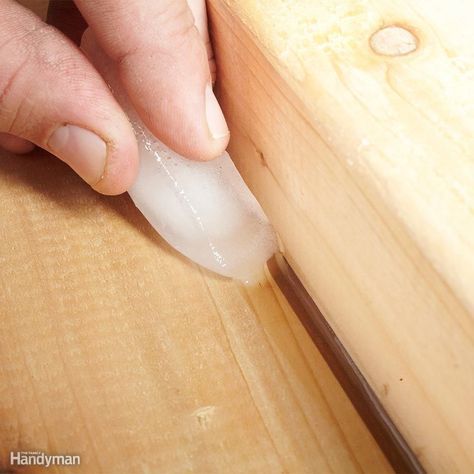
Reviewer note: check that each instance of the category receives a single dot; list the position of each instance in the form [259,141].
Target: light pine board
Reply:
[114,347]
[365,165]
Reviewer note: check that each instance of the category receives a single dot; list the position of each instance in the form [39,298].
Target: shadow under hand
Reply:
[39,175]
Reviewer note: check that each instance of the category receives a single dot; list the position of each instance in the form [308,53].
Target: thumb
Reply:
[163,65]
[52,96]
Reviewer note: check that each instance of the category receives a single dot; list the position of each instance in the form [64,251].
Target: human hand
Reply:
[51,95]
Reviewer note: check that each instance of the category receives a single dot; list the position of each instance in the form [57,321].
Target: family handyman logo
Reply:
[38,458]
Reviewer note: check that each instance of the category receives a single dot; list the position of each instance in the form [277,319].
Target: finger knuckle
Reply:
[176,21]
[11,103]
[37,59]
[169,31]
[15,92]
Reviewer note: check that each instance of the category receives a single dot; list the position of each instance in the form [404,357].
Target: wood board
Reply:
[114,347]
[364,164]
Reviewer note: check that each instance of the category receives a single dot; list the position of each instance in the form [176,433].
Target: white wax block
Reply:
[203,209]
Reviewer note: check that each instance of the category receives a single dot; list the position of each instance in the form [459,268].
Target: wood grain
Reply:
[114,347]
[400,455]
[364,163]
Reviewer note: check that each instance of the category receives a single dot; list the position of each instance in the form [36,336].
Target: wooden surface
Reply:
[114,347]
[364,164]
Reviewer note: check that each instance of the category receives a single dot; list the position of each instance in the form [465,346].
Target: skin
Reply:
[162,55]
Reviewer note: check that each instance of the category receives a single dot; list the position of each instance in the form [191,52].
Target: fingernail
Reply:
[215,118]
[81,149]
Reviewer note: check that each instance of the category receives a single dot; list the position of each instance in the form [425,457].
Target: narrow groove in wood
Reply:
[365,401]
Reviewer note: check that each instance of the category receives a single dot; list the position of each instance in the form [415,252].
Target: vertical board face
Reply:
[361,155]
